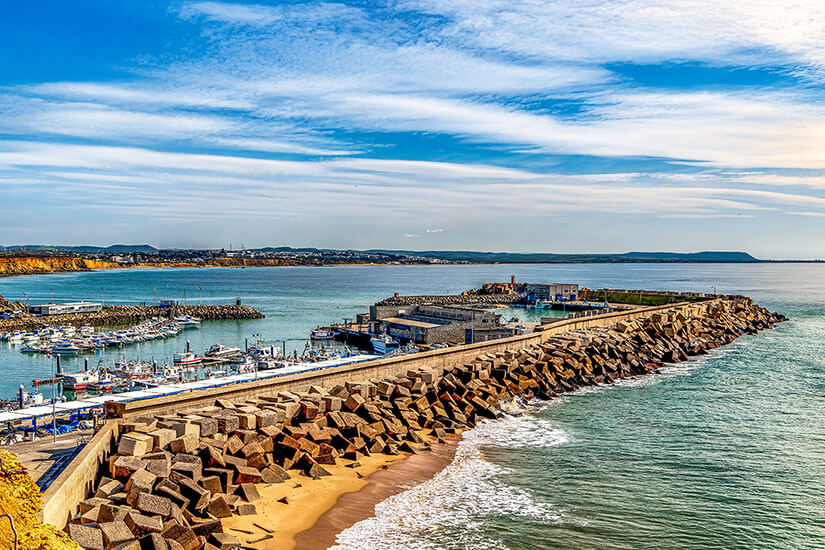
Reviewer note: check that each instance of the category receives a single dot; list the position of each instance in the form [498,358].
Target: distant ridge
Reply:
[627,257]
[445,255]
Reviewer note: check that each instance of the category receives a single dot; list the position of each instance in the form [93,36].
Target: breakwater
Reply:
[129,314]
[175,476]
[450,300]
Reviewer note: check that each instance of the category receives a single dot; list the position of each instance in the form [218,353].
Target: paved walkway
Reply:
[45,459]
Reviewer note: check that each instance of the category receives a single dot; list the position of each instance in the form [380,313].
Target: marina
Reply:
[68,340]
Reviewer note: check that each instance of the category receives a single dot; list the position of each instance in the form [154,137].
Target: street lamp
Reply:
[51,295]
[201,289]
[154,295]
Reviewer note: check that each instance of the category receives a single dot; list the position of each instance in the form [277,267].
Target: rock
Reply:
[141,525]
[224,541]
[90,538]
[248,492]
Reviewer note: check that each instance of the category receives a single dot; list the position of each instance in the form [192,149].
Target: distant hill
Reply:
[114,249]
[628,257]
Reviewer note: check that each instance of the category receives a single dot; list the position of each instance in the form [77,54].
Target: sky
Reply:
[545,126]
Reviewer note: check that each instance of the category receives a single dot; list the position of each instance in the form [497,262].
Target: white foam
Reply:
[457,500]
[455,503]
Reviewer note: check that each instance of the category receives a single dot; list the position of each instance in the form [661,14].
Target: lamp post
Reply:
[154,295]
[102,297]
[51,295]
[201,289]
[26,299]
[54,420]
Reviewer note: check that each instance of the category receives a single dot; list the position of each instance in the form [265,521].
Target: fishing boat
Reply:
[219,350]
[384,344]
[322,333]
[187,358]
[78,380]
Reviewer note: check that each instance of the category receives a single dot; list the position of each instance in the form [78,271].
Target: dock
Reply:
[43,413]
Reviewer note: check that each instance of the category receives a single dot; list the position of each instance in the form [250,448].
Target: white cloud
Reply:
[808,214]
[434,230]
[411,236]
[735,32]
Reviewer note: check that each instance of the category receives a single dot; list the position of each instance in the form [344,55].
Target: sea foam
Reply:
[449,510]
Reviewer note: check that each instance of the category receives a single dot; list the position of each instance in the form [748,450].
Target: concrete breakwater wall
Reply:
[172,477]
[129,314]
[449,300]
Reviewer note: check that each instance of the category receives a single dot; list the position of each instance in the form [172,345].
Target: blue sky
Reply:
[568,126]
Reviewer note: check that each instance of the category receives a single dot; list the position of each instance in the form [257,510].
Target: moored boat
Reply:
[187,358]
[384,344]
[219,350]
[79,380]
[322,333]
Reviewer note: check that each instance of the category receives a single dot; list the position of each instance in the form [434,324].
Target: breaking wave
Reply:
[449,510]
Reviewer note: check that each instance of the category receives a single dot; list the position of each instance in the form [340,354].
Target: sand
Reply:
[318,510]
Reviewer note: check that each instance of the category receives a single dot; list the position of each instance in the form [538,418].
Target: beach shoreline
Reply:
[316,511]
[353,507]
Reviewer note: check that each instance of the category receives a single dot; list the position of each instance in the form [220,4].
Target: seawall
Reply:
[434,392]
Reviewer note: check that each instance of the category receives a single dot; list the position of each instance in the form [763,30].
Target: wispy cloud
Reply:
[301,115]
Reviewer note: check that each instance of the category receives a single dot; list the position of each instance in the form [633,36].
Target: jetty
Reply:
[168,471]
[116,315]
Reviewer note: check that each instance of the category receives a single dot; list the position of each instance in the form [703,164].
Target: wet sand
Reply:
[317,510]
[351,508]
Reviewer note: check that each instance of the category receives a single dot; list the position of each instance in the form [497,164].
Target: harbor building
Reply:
[430,324]
[67,307]
[552,291]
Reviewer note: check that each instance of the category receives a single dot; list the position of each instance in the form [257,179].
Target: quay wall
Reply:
[75,482]
[64,495]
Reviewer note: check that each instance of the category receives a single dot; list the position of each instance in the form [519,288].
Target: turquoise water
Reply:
[723,452]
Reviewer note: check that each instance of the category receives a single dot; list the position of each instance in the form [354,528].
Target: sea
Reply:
[724,451]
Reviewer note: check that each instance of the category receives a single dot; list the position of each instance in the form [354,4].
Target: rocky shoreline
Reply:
[174,479]
[129,314]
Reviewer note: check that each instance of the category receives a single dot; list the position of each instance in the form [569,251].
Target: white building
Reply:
[68,307]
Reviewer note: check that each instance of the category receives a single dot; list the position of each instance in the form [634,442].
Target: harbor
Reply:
[311,426]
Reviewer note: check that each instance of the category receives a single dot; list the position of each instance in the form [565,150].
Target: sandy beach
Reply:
[317,510]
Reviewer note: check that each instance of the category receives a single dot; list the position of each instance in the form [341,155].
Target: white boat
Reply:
[320,333]
[187,321]
[219,350]
[66,348]
[25,399]
[384,344]
[78,380]
[187,358]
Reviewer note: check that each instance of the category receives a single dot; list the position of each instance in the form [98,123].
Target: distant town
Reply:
[145,255]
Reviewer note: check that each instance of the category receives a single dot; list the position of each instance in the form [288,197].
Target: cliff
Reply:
[21,499]
[29,265]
